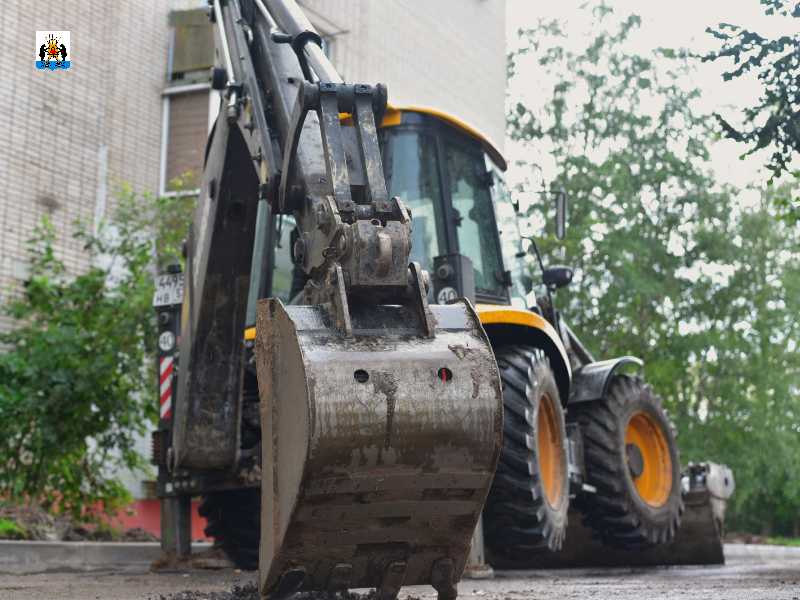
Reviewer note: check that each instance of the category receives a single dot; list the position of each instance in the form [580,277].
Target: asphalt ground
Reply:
[776,580]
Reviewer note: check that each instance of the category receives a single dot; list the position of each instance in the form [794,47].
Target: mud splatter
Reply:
[384,383]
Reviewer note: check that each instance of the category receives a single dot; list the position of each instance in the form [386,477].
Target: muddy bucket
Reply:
[379,448]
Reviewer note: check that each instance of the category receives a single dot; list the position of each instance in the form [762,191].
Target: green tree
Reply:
[631,155]
[76,382]
[668,265]
[745,401]
[774,122]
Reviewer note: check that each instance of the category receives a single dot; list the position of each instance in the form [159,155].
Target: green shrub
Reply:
[77,382]
[11,530]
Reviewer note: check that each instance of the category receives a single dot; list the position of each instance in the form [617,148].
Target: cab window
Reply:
[411,167]
[470,189]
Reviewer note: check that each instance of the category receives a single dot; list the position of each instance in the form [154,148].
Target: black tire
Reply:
[233,519]
[618,514]
[519,518]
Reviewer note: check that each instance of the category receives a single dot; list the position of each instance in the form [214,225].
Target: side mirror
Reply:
[557,277]
[561,214]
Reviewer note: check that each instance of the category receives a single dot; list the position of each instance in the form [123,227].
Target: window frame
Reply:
[213,102]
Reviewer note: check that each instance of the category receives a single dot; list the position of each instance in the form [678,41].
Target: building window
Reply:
[188,114]
[189,106]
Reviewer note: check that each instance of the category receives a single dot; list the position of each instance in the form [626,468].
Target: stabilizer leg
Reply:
[176,526]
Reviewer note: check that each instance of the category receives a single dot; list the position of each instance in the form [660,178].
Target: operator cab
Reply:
[451,177]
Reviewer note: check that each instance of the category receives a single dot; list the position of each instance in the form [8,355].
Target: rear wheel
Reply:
[234,521]
[633,461]
[526,511]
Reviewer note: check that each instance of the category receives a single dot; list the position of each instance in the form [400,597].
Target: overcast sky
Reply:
[674,24]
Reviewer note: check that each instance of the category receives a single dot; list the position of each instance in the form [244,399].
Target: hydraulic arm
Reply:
[381,415]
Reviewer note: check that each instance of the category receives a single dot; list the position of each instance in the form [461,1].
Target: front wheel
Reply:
[633,461]
[526,511]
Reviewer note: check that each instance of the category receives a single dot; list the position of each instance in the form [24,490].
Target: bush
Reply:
[77,381]
[11,530]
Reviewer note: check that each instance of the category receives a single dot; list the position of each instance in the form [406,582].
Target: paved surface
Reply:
[18,558]
[749,580]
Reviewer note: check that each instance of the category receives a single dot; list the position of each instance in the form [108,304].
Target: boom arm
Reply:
[381,421]
[354,241]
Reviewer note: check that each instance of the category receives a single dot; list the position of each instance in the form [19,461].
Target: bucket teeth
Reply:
[442,579]
[340,580]
[292,579]
[392,582]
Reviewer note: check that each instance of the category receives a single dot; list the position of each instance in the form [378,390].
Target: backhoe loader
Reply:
[353,374]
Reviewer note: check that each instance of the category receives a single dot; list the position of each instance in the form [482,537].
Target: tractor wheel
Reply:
[633,461]
[233,519]
[526,511]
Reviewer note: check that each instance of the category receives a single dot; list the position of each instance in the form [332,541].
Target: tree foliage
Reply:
[669,266]
[742,400]
[76,381]
[775,121]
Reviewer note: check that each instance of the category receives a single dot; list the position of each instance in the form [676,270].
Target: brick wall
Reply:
[62,133]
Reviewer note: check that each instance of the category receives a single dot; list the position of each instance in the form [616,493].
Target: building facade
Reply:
[66,135]
[444,54]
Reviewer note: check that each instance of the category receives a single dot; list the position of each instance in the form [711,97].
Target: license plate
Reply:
[169,289]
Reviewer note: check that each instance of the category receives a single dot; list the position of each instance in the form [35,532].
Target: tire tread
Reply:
[515,518]
[612,513]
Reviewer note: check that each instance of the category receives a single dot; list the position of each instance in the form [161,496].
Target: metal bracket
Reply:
[366,133]
[307,99]
[361,241]
[329,99]
[421,300]
[339,299]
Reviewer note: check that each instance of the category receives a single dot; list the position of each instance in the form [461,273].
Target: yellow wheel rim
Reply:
[551,458]
[654,483]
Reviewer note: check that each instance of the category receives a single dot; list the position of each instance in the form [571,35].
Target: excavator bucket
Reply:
[379,446]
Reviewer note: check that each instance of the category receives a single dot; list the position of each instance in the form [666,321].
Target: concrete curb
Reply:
[760,552]
[17,557]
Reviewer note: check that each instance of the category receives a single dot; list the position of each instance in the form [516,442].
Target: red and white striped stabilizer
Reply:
[165,390]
